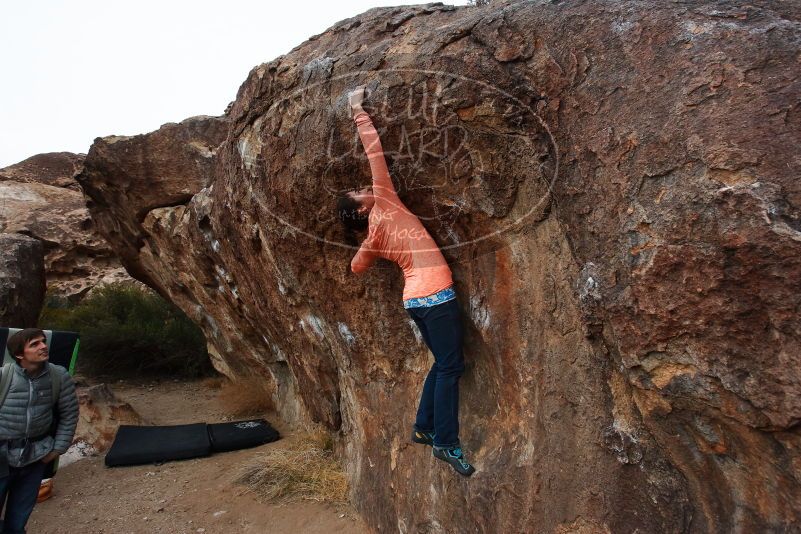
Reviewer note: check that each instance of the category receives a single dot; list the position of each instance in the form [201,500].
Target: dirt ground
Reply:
[192,496]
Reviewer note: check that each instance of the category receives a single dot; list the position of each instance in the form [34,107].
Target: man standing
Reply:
[396,234]
[28,439]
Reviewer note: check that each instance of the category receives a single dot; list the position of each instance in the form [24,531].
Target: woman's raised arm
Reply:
[383,189]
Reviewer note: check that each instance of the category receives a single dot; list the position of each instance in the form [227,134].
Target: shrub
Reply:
[128,331]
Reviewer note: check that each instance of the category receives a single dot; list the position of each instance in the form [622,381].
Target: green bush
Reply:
[127,331]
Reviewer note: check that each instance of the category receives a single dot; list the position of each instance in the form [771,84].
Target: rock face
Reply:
[178,164]
[39,197]
[615,186]
[56,168]
[22,280]
[101,414]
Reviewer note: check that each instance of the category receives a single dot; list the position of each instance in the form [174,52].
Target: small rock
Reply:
[221,512]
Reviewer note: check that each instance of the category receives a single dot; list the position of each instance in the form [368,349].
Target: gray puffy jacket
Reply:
[28,413]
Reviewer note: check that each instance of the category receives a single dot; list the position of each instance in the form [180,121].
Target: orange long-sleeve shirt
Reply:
[395,233]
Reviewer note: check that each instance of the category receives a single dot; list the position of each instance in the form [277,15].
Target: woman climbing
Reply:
[396,234]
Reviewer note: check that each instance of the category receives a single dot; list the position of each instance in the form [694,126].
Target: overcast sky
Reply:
[73,70]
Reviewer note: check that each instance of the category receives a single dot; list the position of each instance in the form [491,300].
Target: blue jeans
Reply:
[441,328]
[19,491]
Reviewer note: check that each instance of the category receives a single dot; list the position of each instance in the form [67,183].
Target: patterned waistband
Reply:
[439,297]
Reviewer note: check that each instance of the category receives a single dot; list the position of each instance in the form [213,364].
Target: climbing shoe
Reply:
[426,438]
[455,457]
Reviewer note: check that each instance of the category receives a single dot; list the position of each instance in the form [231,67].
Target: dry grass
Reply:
[305,470]
[213,382]
[246,397]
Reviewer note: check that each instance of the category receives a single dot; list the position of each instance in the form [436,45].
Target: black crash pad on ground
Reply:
[241,435]
[136,445]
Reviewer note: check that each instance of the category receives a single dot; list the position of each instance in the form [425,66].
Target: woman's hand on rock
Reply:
[356,97]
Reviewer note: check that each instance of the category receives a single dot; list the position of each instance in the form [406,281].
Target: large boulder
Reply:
[39,197]
[22,280]
[615,186]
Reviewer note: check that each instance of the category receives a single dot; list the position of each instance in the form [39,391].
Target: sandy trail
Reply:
[192,496]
